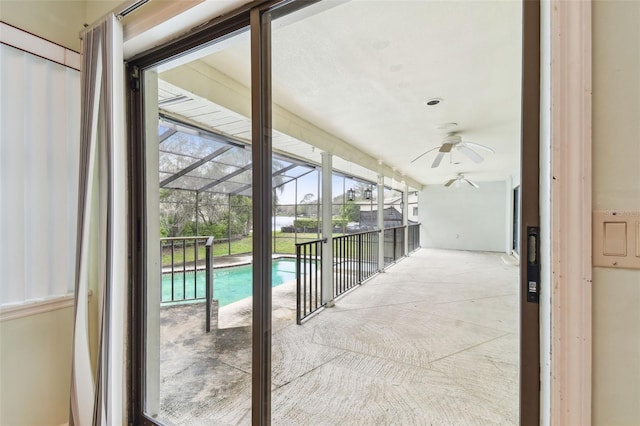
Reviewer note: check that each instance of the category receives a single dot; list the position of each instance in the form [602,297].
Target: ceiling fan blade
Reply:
[471,154]
[475,185]
[478,146]
[437,160]
[446,147]
[450,182]
[423,154]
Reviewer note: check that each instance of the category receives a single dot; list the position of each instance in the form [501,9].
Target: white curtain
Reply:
[98,384]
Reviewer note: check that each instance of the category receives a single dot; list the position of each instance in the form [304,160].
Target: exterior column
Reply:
[380,217]
[405,216]
[327,229]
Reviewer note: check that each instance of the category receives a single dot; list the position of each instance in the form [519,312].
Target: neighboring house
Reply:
[369,217]
[392,212]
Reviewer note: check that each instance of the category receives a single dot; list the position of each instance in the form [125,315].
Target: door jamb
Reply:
[571,206]
[529,398]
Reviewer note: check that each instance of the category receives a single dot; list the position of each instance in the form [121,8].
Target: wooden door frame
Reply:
[529,401]
[570,192]
[565,31]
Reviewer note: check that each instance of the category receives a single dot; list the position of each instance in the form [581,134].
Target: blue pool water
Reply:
[229,284]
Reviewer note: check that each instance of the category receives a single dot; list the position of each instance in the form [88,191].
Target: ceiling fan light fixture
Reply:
[459,180]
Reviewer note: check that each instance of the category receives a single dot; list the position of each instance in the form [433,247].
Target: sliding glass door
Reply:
[194,195]
[208,344]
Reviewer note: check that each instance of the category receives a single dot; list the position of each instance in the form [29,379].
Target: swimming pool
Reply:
[229,284]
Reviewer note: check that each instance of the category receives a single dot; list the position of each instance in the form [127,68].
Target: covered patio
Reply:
[433,339]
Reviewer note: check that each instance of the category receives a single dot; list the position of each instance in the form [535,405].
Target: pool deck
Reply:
[433,340]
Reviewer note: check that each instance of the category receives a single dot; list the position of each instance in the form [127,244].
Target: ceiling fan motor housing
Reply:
[452,139]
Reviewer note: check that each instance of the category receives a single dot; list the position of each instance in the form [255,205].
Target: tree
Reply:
[350,212]
[241,214]
[176,210]
[308,206]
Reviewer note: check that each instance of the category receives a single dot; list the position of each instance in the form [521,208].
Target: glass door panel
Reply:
[199,234]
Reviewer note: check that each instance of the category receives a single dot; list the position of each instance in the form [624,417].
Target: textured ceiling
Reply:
[362,70]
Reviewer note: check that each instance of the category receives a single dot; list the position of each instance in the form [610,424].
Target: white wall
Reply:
[616,186]
[464,218]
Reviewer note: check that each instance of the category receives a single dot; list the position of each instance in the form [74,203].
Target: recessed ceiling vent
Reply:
[433,102]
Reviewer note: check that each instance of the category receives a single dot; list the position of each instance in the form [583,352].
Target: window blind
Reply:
[39,148]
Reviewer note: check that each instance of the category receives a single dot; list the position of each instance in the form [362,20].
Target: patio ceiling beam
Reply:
[226,178]
[195,165]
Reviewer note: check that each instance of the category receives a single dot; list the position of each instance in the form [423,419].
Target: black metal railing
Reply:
[182,258]
[393,244]
[355,258]
[208,280]
[309,284]
[414,237]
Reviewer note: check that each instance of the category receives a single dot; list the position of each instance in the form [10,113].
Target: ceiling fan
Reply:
[454,141]
[458,180]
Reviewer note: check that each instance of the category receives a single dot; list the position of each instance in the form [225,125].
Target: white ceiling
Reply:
[362,70]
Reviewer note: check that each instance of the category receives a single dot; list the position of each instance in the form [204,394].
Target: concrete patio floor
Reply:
[433,340]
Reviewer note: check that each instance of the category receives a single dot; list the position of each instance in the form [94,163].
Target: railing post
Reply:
[173,274]
[299,285]
[327,230]
[359,258]
[395,244]
[209,280]
[195,267]
[405,219]
[184,269]
[319,248]
[380,222]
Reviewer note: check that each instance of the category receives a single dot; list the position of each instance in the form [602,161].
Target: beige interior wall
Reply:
[616,185]
[96,9]
[59,21]
[35,368]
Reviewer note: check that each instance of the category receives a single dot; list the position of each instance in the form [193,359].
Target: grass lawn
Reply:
[245,245]
[284,243]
